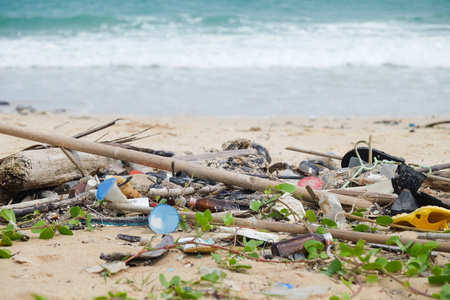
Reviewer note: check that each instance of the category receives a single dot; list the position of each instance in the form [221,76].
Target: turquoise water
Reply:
[228,58]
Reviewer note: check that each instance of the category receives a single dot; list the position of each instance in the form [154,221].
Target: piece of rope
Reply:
[363,166]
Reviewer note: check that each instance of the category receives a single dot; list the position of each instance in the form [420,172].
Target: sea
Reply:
[227,58]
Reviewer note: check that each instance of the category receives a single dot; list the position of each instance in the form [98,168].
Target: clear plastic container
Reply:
[332,208]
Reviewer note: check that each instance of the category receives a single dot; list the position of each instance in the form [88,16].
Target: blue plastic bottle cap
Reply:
[164,219]
[104,188]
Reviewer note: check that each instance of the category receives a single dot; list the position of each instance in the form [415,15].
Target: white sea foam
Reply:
[257,46]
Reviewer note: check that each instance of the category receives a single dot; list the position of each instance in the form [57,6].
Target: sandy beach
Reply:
[56,268]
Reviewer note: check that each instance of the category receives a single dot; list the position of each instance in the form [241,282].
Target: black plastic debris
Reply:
[405,203]
[309,169]
[182,179]
[407,178]
[262,151]
[364,154]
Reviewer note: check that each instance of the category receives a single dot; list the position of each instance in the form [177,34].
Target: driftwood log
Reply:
[167,163]
[46,168]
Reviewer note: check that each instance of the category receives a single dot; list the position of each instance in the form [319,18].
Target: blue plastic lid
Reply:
[104,188]
[164,219]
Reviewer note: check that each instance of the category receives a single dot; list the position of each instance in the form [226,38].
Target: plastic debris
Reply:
[164,219]
[426,217]
[332,208]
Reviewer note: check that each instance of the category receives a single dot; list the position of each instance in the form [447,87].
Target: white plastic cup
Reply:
[109,190]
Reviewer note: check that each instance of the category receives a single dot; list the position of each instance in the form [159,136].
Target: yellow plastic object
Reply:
[426,217]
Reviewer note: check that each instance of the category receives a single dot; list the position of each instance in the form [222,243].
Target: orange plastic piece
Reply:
[127,189]
[426,217]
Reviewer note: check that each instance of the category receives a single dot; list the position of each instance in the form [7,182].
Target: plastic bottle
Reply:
[214,205]
[332,208]
[297,244]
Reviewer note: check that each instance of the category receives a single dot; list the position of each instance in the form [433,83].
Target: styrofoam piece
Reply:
[251,234]
[293,204]
[139,201]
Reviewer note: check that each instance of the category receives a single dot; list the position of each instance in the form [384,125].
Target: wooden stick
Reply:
[314,152]
[353,236]
[370,149]
[164,163]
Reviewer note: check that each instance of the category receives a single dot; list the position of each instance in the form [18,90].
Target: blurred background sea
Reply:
[227,57]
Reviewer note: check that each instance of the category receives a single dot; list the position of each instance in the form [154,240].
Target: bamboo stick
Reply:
[227,177]
[353,236]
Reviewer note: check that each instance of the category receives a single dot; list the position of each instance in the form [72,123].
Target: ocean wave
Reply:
[315,49]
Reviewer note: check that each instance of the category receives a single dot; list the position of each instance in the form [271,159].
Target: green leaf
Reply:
[212,277]
[436,270]
[384,220]
[228,219]
[163,280]
[372,278]
[175,280]
[6,241]
[183,225]
[392,240]
[8,214]
[361,228]
[439,279]
[216,256]
[313,244]
[38,224]
[255,205]
[242,266]
[309,214]
[88,222]
[47,234]
[335,266]
[359,248]
[345,296]
[206,227]
[348,283]
[75,211]
[13,236]
[361,210]
[412,271]
[74,222]
[329,223]
[202,221]
[5,253]
[207,214]
[406,284]
[346,250]
[382,261]
[414,249]
[64,229]
[254,255]
[321,230]
[334,298]
[286,188]
[372,266]
[358,214]
[394,266]
[39,297]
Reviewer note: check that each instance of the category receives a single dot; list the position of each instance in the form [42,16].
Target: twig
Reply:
[314,152]
[69,156]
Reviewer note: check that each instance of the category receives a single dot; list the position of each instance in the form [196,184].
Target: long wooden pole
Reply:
[165,163]
[353,236]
